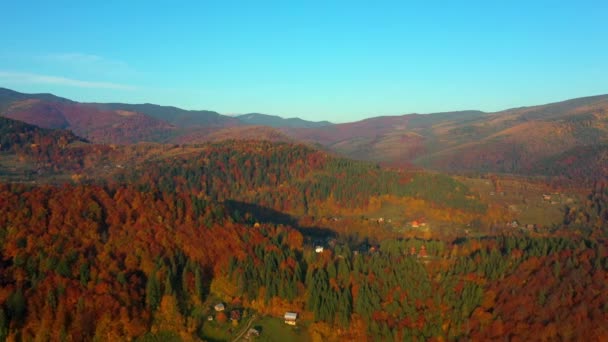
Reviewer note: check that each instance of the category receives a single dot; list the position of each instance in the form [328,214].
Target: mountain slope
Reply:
[515,140]
[394,139]
[512,141]
[102,126]
[8,96]
[16,135]
[527,140]
[176,116]
[277,121]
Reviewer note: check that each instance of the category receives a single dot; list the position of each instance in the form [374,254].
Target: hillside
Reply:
[517,141]
[8,96]
[90,122]
[258,119]
[258,133]
[176,116]
[148,250]
[16,136]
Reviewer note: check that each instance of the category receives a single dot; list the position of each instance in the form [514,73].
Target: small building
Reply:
[422,253]
[219,307]
[235,315]
[210,318]
[319,249]
[290,318]
[253,332]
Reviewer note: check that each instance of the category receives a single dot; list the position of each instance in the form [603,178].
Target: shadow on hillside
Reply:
[256,213]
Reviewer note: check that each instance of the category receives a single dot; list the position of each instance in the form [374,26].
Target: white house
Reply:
[290,318]
[219,307]
[319,249]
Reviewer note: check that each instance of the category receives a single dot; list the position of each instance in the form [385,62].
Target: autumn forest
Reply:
[163,238]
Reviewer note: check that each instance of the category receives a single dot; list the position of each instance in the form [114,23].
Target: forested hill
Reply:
[292,178]
[17,136]
[146,250]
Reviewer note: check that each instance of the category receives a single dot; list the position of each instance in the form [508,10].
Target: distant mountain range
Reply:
[568,138]
[130,123]
[277,121]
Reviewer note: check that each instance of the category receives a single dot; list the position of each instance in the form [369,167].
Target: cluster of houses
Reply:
[289,318]
[235,315]
[381,220]
[522,226]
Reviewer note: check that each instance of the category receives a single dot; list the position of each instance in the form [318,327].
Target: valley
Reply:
[130,236]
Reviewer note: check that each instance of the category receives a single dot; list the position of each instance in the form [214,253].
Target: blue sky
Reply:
[325,60]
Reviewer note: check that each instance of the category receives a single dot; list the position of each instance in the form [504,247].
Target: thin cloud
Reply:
[30,78]
[90,65]
[85,59]
[73,57]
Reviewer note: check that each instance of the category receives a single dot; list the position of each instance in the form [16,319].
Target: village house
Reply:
[219,307]
[422,253]
[253,332]
[319,249]
[290,318]
[235,315]
[418,223]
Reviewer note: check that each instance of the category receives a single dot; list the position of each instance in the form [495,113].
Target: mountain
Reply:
[176,116]
[519,140]
[102,126]
[528,140]
[86,120]
[8,96]
[393,139]
[277,121]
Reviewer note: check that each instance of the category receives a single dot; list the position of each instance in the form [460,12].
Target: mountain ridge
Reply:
[517,140]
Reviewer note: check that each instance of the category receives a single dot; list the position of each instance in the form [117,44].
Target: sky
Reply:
[319,60]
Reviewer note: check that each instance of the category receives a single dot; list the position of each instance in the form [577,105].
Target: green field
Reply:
[274,329]
[524,199]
